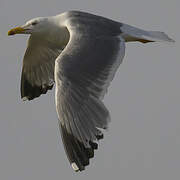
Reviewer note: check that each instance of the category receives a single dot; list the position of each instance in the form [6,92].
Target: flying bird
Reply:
[80,53]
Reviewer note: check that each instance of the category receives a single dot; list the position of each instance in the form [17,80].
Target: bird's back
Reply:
[92,25]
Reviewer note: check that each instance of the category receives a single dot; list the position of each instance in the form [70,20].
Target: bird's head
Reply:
[32,26]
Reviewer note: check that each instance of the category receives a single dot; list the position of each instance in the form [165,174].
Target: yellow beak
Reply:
[17,30]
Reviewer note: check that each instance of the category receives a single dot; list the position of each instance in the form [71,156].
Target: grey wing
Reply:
[38,68]
[82,74]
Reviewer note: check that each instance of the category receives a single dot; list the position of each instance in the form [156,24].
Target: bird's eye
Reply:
[34,23]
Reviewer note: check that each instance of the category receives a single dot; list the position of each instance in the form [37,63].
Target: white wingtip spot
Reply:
[25,98]
[74,166]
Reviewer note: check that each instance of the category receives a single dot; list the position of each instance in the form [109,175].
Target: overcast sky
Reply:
[143,141]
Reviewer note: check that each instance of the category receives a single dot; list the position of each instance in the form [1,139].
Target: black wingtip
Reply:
[77,153]
[29,92]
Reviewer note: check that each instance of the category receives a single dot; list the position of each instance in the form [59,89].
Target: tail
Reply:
[130,33]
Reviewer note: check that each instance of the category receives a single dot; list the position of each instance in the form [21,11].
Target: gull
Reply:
[80,53]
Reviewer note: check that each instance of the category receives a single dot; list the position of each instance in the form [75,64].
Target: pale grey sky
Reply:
[143,141]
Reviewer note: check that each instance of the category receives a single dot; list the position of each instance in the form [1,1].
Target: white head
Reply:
[35,25]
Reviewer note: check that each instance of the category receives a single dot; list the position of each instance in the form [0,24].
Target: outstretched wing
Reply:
[38,68]
[83,72]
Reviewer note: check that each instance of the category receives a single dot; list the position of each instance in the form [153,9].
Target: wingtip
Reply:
[172,40]
[25,98]
[75,167]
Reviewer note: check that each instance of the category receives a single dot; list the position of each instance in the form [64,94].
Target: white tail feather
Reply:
[130,33]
